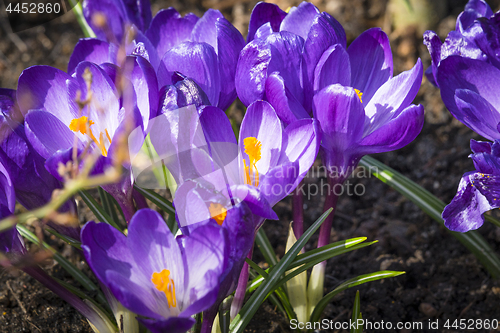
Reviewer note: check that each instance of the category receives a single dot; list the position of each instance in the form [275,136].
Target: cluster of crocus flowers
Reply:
[172,77]
[466,69]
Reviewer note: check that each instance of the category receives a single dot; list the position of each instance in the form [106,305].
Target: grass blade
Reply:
[433,207]
[320,307]
[157,199]
[356,315]
[65,264]
[97,209]
[265,247]
[251,306]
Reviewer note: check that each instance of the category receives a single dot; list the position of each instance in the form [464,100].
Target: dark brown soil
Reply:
[442,281]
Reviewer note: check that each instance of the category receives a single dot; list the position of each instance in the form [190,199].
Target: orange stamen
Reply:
[163,282]
[217,212]
[82,125]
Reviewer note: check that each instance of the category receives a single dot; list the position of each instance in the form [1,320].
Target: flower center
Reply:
[82,125]
[217,212]
[359,93]
[253,149]
[163,282]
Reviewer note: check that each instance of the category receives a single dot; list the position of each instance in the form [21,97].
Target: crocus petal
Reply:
[393,97]
[299,19]
[140,45]
[92,50]
[116,18]
[149,237]
[139,13]
[462,73]
[341,117]
[279,96]
[143,78]
[280,52]
[263,13]
[325,32]
[476,113]
[197,61]
[170,325]
[108,256]
[227,42]
[279,182]
[396,133]
[169,29]
[477,193]
[340,114]
[371,62]
[47,133]
[480,146]
[255,201]
[7,194]
[262,123]
[433,43]
[105,97]
[251,71]
[44,87]
[205,253]
[302,142]
[205,30]
[230,42]
[181,94]
[333,67]
[473,10]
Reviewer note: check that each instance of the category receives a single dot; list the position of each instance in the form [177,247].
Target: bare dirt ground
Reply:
[442,281]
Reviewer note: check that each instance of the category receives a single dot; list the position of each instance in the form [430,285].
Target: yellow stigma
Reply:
[82,125]
[163,282]
[359,93]
[217,212]
[253,149]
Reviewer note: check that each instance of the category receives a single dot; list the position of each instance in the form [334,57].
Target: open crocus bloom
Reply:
[469,89]
[305,69]
[47,98]
[154,275]
[264,167]
[285,49]
[478,191]
[205,49]
[475,37]
[353,127]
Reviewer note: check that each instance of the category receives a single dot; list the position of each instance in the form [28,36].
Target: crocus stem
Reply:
[139,199]
[208,319]
[317,278]
[330,202]
[239,294]
[298,213]
[93,317]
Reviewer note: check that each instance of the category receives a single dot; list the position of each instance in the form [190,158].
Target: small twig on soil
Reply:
[17,299]
[12,36]
[464,311]
[28,317]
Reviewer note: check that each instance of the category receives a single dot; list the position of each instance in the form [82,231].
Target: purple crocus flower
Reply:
[478,191]
[469,89]
[476,36]
[151,273]
[266,165]
[205,49]
[32,183]
[360,107]
[47,98]
[12,246]
[280,59]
